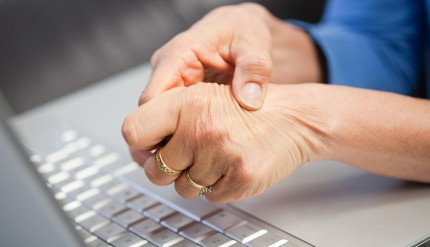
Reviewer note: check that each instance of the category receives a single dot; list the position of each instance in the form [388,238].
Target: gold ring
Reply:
[203,190]
[163,166]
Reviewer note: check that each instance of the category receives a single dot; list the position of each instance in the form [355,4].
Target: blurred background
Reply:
[49,48]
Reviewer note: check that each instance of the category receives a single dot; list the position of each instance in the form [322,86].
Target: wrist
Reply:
[312,125]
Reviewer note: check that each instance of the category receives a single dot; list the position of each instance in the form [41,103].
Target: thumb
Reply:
[251,77]
[153,121]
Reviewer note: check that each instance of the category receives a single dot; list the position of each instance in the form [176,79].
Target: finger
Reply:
[252,73]
[152,122]
[227,190]
[222,192]
[172,71]
[175,154]
[185,187]
[211,162]
[139,156]
[180,64]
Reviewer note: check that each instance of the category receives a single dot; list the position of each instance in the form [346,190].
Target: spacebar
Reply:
[196,209]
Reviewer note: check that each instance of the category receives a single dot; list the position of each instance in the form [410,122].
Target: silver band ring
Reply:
[163,167]
[203,190]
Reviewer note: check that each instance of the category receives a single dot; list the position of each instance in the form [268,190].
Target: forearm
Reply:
[380,132]
[294,55]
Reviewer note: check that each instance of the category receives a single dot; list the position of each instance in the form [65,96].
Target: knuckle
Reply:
[155,57]
[128,131]
[224,9]
[257,65]
[151,176]
[217,199]
[254,7]
[142,99]
[243,173]
[148,92]
[179,187]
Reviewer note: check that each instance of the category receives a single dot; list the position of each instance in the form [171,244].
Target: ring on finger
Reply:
[203,190]
[163,167]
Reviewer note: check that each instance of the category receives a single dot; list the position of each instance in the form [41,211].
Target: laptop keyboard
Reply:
[88,181]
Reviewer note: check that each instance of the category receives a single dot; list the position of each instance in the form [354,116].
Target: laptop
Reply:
[67,179]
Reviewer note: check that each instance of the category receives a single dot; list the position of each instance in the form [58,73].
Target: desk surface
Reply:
[325,203]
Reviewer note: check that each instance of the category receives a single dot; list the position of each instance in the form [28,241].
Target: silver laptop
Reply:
[102,198]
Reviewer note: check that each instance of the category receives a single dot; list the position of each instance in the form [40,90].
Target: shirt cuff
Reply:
[353,59]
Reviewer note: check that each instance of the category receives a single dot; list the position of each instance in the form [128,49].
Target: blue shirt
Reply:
[376,44]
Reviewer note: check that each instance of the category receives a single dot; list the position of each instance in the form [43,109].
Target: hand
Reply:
[230,45]
[237,45]
[240,153]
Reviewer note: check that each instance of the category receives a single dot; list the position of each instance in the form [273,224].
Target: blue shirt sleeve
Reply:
[375,44]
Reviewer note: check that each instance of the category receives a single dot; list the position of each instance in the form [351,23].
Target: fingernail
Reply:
[251,95]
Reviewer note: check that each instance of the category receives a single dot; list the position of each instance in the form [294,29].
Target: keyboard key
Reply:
[159,212]
[72,205]
[81,190]
[61,198]
[97,243]
[47,168]
[80,213]
[58,155]
[126,168]
[76,170]
[72,164]
[223,220]
[106,160]
[165,238]
[86,194]
[185,243]
[148,245]
[125,195]
[47,175]
[110,209]
[96,150]
[58,177]
[110,232]
[196,232]
[96,201]
[76,184]
[108,186]
[85,235]
[69,180]
[129,240]
[245,232]
[237,244]
[267,239]
[79,144]
[115,189]
[145,228]
[86,172]
[94,223]
[217,240]
[110,168]
[128,218]
[195,209]
[102,180]
[36,159]
[176,221]
[68,135]
[141,203]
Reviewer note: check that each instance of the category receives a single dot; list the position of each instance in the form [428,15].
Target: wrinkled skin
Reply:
[235,45]
[240,153]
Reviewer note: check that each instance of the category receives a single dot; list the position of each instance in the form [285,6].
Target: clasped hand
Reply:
[238,152]
[209,131]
